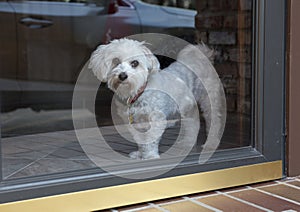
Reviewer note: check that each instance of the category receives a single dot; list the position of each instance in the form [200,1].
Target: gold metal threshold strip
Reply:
[115,196]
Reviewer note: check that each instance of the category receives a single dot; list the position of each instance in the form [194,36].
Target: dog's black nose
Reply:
[123,76]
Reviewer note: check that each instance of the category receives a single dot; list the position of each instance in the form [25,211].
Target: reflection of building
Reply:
[227,26]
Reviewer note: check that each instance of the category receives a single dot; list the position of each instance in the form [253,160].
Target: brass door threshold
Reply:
[122,195]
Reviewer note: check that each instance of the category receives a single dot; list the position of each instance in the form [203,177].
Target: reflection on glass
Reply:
[46,44]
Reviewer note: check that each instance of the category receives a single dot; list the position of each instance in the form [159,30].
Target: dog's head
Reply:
[124,64]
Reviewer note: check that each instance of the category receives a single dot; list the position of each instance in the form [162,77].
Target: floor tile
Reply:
[64,153]
[51,166]
[184,206]
[266,201]
[13,165]
[28,154]
[284,191]
[60,135]
[295,183]
[29,146]
[224,203]
[148,210]
[8,148]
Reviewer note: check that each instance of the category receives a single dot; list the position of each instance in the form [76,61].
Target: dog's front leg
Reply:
[147,135]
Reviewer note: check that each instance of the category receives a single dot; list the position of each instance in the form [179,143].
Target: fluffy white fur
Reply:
[127,65]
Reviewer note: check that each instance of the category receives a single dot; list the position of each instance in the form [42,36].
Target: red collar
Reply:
[132,100]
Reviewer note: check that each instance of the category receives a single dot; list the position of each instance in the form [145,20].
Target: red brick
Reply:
[201,5]
[222,38]
[215,5]
[230,4]
[231,103]
[227,69]
[230,21]
[209,21]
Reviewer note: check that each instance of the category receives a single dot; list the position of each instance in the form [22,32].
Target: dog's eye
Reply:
[134,63]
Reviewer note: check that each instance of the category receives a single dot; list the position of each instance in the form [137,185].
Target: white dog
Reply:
[133,73]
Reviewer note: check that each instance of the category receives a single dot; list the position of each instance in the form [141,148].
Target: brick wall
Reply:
[226,25]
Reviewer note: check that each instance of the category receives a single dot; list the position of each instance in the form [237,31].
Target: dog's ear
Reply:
[99,64]
[153,63]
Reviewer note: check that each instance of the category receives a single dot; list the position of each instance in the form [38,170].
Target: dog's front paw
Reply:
[149,157]
[138,155]
[135,155]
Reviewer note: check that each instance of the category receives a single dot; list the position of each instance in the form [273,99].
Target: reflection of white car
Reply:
[152,18]
[54,39]
[49,41]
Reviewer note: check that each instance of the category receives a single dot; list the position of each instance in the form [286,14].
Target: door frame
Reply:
[264,161]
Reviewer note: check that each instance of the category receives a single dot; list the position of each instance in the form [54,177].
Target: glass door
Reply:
[68,124]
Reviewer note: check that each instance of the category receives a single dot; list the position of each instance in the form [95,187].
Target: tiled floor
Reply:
[283,195]
[59,151]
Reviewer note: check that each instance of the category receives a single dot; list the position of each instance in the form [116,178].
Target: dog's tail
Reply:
[208,52]
[193,50]
[198,59]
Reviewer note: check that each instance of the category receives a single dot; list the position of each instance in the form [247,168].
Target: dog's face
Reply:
[125,65]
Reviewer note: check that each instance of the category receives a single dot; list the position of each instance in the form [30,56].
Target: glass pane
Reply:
[46,46]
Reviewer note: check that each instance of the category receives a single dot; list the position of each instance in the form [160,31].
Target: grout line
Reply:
[289,185]
[33,162]
[265,186]
[297,179]
[245,202]
[158,208]
[202,204]
[290,178]
[284,181]
[275,195]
